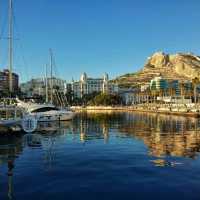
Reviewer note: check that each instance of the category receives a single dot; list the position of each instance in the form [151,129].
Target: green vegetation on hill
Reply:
[129,75]
[126,80]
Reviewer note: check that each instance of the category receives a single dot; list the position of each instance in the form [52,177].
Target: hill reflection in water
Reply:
[162,134]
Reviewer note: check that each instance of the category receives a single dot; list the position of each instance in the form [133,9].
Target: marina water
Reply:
[104,156]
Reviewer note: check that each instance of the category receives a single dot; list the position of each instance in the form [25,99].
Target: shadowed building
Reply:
[37,86]
[4,81]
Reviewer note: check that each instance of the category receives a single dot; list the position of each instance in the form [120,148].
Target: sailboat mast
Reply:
[46,84]
[51,73]
[10,44]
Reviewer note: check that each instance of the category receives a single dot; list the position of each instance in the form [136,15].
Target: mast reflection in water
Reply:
[104,156]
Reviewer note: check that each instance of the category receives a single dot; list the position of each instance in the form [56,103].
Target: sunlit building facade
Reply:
[87,85]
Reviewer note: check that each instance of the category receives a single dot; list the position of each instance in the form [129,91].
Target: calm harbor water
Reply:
[104,156]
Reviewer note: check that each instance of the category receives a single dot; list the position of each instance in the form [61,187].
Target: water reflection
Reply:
[93,126]
[10,149]
[53,127]
[32,140]
[10,178]
[164,136]
[164,163]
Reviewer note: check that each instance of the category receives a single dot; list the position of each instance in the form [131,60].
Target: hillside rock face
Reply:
[158,60]
[179,66]
[187,65]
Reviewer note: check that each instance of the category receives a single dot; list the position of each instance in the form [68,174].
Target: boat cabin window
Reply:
[44,109]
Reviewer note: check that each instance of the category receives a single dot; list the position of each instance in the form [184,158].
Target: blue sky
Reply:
[97,36]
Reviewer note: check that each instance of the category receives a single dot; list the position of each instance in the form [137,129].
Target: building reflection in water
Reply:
[163,135]
[93,126]
[166,135]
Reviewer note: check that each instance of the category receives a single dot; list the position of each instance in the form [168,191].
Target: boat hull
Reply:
[53,116]
[10,122]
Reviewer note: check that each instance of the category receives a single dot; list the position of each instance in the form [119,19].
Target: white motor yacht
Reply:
[46,112]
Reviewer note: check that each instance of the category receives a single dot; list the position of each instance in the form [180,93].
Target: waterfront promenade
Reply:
[191,110]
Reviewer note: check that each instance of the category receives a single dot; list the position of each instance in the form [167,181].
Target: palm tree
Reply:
[195,82]
[182,86]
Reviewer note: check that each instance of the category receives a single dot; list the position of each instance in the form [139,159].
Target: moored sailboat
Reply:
[47,111]
[10,114]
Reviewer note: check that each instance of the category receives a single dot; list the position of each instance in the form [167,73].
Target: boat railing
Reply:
[10,112]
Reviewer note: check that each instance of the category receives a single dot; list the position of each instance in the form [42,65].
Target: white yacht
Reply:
[46,112]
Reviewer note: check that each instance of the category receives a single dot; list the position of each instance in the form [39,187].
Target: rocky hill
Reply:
[179,66]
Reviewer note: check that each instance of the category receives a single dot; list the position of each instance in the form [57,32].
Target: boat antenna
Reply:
[10,44]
